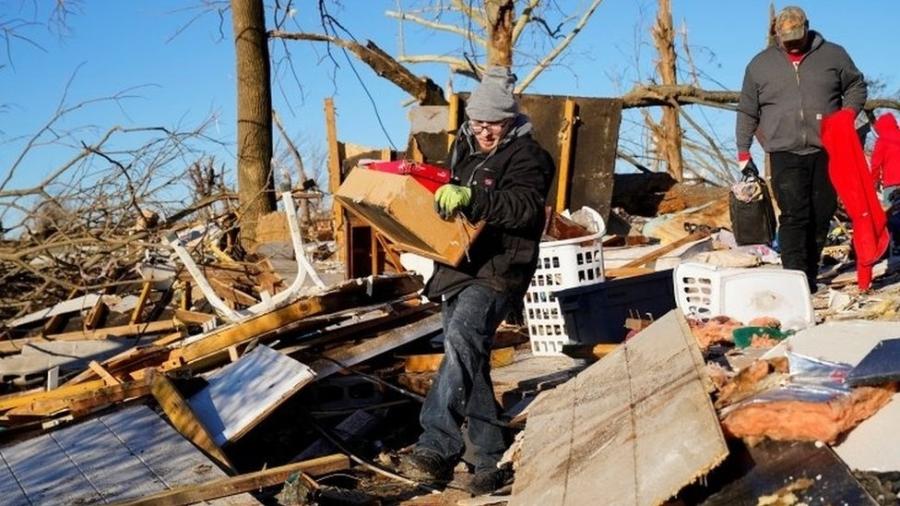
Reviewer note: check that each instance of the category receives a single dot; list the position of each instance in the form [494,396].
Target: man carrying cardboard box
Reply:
[501,176]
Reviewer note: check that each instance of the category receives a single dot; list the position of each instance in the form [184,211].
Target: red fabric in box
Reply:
[429,176]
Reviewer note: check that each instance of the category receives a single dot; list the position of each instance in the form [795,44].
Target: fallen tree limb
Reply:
[664,95]
[423,89]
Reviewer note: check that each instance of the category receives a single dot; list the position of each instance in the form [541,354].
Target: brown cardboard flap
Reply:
[402,210]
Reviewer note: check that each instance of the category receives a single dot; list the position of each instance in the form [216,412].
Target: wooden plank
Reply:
[96,316]
[453,119]
[10,490]
[141,303]
[814,474]
[622,272]
[565,155]
[107,378]
[341,228]
[120,331]
[194,317]
[112,470]
[221,339]
[633,428]
[663,250]
[384,342]
[128,454]
[173,459]
[231,294]
[171,338]
[240,395]
[84,403]
[185,421]
[57,322]
[24,398]
[242,483]
[72,305]
[500,357]
[46,475]
[348,295]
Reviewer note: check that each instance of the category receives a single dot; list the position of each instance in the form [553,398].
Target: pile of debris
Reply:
[687,369]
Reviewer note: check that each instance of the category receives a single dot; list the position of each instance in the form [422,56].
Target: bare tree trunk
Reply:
[664,39]
[500,16]
[254,100]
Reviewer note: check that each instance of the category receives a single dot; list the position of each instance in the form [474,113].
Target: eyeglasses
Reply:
[492,126]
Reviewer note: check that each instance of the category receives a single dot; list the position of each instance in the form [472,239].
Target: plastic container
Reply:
[704,291]
[597,313]
[562,264]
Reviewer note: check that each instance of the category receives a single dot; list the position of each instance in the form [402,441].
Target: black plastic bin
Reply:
[597,313]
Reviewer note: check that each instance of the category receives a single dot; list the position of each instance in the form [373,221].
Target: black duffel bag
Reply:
[753,221]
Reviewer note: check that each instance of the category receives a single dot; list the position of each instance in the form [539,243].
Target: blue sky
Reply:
[117,45]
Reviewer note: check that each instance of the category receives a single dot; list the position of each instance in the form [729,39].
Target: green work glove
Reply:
[450,198]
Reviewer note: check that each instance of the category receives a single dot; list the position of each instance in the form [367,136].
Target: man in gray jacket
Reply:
[788,89]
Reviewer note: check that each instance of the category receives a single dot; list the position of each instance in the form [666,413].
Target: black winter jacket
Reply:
[509,191]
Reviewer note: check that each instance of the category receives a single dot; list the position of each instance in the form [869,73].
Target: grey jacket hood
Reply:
[783,105]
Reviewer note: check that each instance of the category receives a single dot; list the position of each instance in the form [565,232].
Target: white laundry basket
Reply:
[703,291]
[564,264]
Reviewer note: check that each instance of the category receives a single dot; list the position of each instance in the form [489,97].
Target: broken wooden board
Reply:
[430,362]
[529,375]
[634,428]
[351,355]
[124,455]
[37,357]
[812,474]
[83,303]
[242,393]
[242,483]
[865,448]
[185,421]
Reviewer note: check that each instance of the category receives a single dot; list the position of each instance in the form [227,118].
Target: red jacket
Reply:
[853,183]
[886,156]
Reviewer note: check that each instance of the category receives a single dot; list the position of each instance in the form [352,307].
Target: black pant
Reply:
[807,202]
[462,389]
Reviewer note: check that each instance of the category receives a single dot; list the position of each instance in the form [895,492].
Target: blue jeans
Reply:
[462,389]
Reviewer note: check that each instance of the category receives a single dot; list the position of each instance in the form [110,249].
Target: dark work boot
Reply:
[488,480]
[425,466]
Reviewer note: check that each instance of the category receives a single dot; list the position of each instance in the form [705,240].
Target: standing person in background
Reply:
[787,90]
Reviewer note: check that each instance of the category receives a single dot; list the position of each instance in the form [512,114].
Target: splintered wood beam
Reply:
[184,420]
[453,120]
[565,155]
[335,178]
[57,323]
[254,327]
[662,250]
[137,329]
[98,369]
[83,403]
[231,294]
[141,303]
[191,494]
[96,315]
[195,317]
[25,398]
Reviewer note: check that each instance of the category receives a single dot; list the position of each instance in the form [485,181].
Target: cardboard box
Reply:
[403,211]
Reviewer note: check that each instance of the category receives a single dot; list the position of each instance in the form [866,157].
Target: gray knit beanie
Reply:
[493,99]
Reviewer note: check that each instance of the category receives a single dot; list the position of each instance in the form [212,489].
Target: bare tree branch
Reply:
[434,25]
[559,48]
[423,89]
